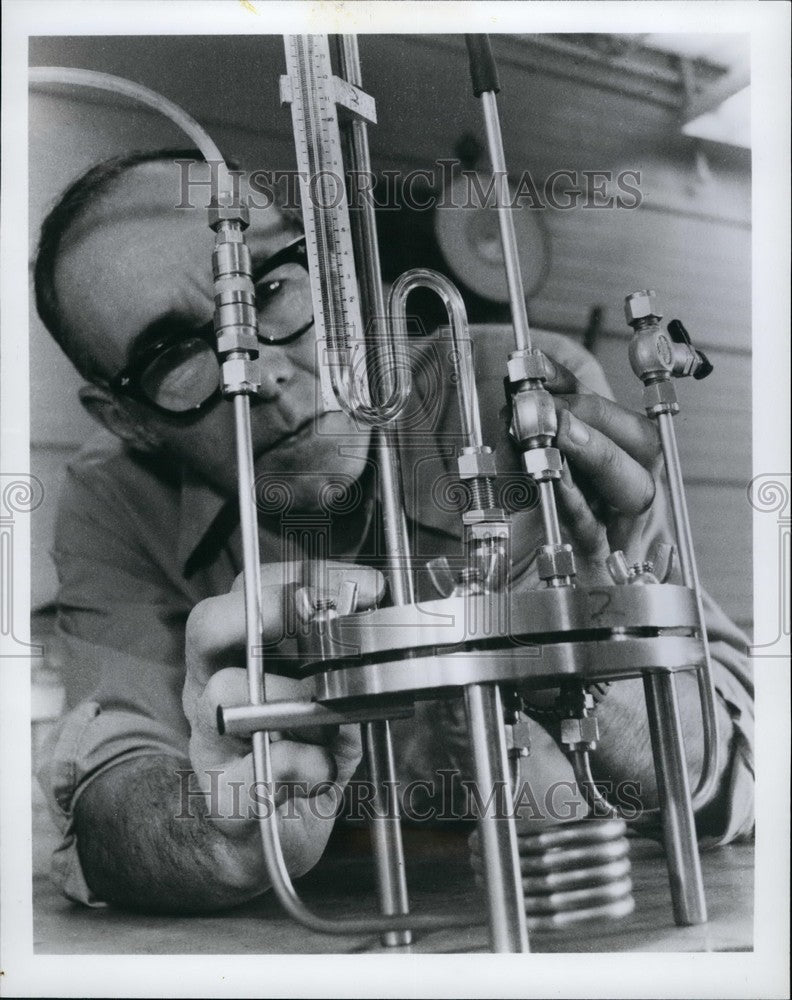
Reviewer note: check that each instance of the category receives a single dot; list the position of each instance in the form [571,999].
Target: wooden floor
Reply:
[440,881]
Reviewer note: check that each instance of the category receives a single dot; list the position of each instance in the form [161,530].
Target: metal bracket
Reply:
[347,96]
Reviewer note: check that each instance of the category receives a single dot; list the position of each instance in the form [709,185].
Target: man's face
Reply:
[134,261]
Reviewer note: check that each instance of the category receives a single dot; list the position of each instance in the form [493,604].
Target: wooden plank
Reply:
[700,269]
[715,421]
[721,520]
[549,122]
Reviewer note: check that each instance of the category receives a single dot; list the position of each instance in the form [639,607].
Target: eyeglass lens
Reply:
[187,373]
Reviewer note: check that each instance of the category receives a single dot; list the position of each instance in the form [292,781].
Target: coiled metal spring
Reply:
[574,872]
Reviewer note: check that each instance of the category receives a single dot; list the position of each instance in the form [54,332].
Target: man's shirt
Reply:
[140,541]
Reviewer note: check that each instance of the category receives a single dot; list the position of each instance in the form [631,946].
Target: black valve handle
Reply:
[483,71]
[679,335]
[704,368]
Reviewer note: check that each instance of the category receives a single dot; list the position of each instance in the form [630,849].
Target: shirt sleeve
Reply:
[121,634]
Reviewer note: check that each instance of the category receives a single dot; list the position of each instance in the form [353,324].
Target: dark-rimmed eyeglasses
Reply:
[179,372]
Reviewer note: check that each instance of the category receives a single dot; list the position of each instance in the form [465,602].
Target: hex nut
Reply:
[584,730]
[641,305]
[543,463]
[555,560]
[476,464]
[240,376]
[660,397]
[237,339]
[218,213]
[486,524]
[527,365]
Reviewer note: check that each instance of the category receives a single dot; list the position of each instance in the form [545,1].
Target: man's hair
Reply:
[69,208]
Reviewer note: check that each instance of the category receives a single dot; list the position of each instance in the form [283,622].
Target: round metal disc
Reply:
[468,235]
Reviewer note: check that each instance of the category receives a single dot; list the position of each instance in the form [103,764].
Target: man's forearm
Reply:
[625,752]
[144,845]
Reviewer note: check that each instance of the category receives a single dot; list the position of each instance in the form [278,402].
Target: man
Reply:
[147,548]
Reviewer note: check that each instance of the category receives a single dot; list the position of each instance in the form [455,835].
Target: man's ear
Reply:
[111,413]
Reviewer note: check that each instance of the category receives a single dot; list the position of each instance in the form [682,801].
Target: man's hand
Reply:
[215,639]
[608,483]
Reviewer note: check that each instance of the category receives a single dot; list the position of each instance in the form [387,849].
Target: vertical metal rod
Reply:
[676,809]
[250,551]
[497,832]
[549,513]
[687,558]
[511,258]
[397,542]
[665,425]
[522,333]
[385,827]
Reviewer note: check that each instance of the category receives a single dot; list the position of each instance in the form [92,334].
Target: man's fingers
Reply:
[561,379]
[631,431]
[302,765]
[327,575]
[215,633]
[588,533]
[614,475]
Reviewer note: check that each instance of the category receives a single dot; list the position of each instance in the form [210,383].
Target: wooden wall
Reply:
[690,238]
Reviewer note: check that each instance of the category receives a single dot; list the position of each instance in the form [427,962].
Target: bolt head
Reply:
[641,305]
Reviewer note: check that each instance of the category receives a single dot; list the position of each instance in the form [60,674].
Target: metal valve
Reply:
[657,356]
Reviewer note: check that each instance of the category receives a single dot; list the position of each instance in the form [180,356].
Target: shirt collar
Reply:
[200,504]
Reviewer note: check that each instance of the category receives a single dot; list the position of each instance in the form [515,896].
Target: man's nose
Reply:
[276,371]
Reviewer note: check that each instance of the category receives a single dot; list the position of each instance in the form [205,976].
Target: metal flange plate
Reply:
[533,667]
[537,616]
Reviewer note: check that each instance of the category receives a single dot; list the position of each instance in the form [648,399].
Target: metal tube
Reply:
[511,257]
[392,367]
[597,802]
[467,393]
[665,425]
[397,539]
[497,833]
[385,827]
[584,779]
[254,622]
[334,281]
[244,720]
[262,757]
[673,790]
[281,880]
[549,512]
[687,558]
[393,370]
[137,92]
